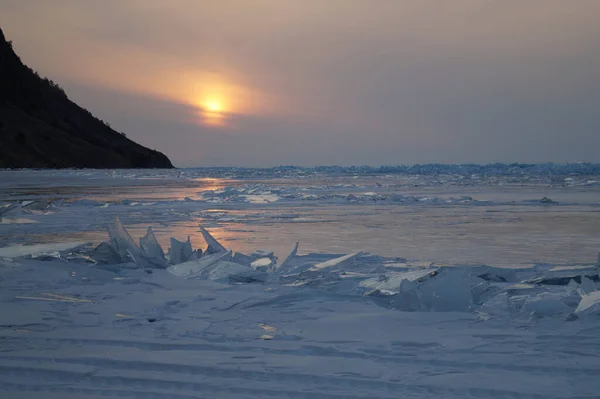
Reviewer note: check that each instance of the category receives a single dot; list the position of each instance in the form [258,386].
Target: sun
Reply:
[213,110]
[213,106]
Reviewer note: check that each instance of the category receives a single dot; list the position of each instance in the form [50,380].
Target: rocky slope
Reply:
[41,128]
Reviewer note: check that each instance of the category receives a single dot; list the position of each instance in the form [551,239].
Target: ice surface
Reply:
[15,220]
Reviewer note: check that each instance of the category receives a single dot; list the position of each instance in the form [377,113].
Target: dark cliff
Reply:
[41,128]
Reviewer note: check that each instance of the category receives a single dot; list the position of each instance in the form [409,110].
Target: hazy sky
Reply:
[278,82]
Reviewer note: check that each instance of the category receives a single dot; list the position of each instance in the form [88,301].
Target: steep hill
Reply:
[41,128]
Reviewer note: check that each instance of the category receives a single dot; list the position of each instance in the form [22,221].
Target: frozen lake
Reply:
[442,219]
[118,318]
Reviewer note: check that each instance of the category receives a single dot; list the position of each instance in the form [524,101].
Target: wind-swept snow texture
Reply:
[182,311]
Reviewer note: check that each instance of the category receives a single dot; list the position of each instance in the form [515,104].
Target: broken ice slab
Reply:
[37,206]
[390,283]
[448,290]
[106,254]
[524,289]
[249,276]
[546,304]
[262,264]
[341,261]
[87,202]
[586,286]
[180,252]
[262,253]
[12,209]
[242,259]
[221,271]
[590,304]
[496,304]
[214,246]
[495,274]
[117,267]
[562,279]
[407,298]
[482,290]
[11,214]
[195,269]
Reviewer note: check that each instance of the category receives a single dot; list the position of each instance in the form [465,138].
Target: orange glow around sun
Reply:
[215,98]
[219,99]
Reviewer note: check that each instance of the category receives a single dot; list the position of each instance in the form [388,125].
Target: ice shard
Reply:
[122,241]
[180,252]
[281,265]
[151,246]
[214,246]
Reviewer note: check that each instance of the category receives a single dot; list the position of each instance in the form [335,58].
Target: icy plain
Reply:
[406,283]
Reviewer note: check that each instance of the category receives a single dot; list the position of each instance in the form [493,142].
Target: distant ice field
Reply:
[497,220]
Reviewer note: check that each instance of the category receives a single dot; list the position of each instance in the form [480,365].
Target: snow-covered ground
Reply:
[403,285]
